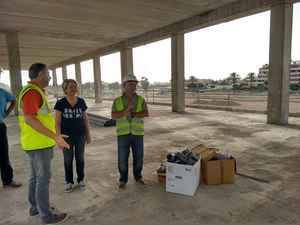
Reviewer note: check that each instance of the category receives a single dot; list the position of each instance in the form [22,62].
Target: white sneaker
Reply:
[81,185]
[68,187]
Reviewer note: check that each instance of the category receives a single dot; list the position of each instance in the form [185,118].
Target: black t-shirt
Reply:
[72,121]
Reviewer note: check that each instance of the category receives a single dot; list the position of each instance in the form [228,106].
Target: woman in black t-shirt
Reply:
[71,120]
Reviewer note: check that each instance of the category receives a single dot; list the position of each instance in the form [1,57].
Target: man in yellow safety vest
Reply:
[38,138]
[129,111]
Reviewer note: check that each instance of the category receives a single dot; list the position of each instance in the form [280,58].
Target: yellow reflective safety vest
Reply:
[134,126]
[30,138]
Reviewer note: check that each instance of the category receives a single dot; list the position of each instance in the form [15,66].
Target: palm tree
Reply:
[193,79]
[192,84]
[234,78]
[251,79]
[145,85]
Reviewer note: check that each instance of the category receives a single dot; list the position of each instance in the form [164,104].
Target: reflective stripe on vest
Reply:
[133,126]
[30,138]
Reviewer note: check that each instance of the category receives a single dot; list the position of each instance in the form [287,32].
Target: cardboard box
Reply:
[183,179]
[218,171]
[204,152]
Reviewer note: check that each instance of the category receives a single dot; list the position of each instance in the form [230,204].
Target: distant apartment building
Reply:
[294,73]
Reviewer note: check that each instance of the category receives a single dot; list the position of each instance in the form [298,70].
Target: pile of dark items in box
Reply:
[186,157]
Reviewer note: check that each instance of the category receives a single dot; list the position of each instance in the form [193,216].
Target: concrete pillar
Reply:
[126,62]
[78,76]
[14,61]
[55,86]
[279,60]
[97,79]
[177,70]
[64,72]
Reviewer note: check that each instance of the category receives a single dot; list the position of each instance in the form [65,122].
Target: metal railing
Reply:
[223,99]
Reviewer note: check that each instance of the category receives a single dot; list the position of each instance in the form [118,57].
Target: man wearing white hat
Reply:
[129,111]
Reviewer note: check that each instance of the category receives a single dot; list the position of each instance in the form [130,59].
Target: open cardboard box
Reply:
[215,171]
[218,171]
[205,153]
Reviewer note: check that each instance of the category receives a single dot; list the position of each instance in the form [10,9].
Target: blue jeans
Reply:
[38,196]
[136,143]
[77,149]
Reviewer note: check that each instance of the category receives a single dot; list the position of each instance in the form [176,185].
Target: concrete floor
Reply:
[264,151]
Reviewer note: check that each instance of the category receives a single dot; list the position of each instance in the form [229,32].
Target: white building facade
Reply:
[263,72]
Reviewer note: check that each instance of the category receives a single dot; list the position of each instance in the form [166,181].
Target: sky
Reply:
[240,46]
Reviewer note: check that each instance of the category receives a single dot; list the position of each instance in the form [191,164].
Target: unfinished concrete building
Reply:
[60,33]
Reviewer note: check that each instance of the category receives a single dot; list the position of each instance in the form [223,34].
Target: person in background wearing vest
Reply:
[38,138]
[72,120]
[129,110]
[5,167]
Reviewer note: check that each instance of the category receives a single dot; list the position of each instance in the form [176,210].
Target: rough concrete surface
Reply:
[264,151]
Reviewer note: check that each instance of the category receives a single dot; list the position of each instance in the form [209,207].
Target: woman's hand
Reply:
[88,139]
[60,141]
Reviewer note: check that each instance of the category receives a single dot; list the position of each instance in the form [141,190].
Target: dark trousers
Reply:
[5,167]
[136,143]
[76,149]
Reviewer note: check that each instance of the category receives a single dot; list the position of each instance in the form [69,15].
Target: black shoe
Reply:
[56,218]
[34,212]
[140,181]
[122,185]
[12,184]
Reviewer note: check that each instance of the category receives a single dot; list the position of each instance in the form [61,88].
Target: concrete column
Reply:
[279,59]
[97,79]
[78,76]
[55,86]
[14,61]
[177,70]
[54,77]
[64,72]
[126,62]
